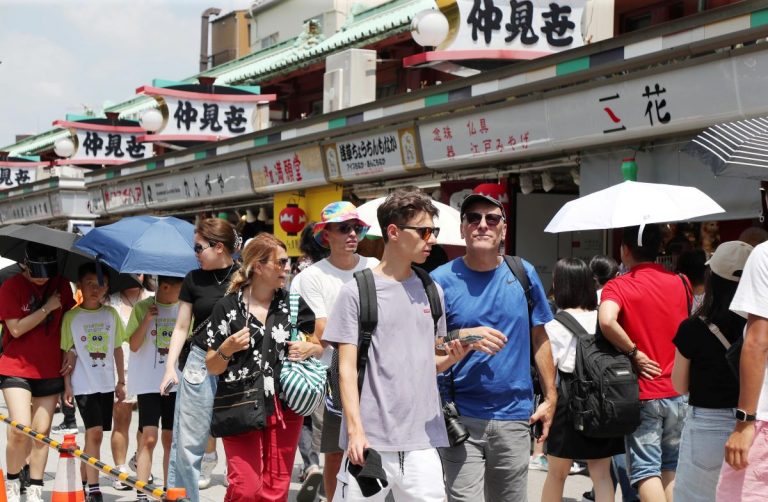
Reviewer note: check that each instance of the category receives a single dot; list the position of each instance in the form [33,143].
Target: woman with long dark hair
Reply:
[215,243]
[574,290]
[702,372]
[247,343]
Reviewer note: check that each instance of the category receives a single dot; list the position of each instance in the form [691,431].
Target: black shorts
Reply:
[329,439]
[38,387]
[96,409]
[153,408]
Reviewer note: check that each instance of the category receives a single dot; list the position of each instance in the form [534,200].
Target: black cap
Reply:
[41,261]
[371,477]
[478,197]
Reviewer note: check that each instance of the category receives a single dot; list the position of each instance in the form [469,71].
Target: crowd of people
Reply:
[443,379]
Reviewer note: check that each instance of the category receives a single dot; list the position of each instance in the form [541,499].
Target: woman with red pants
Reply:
[248,341]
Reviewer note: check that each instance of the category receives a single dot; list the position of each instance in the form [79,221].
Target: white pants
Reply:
[419,478]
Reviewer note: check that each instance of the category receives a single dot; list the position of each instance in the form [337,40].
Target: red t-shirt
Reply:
[653,303]
[36,353]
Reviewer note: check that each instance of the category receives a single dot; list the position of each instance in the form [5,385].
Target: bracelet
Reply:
[632,353]
[452,335]
[43,309]
[222,355]
[120,383]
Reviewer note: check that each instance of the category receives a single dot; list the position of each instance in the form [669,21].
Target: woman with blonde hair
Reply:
[192,452]
[247,343]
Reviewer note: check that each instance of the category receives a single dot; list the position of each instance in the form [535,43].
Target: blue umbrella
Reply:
[144,245]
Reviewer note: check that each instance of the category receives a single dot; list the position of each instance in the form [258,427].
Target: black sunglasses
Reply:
[491,219]
[424,232]
[280,261]
[199,248]
[345,228]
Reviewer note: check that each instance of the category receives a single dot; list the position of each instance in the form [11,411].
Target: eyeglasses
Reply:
[283,262]
[424,232]
[198,248]
[491,219]
[345,228]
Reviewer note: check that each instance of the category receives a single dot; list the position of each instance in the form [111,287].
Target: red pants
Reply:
[259,463]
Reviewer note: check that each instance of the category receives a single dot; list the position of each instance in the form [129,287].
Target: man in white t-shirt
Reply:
[340,230]
[746,452]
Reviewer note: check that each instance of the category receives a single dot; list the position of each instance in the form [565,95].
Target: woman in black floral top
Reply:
[259,461]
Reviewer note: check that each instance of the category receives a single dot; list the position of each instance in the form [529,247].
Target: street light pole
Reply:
[212,11]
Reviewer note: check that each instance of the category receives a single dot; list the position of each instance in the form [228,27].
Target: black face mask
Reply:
[42,268]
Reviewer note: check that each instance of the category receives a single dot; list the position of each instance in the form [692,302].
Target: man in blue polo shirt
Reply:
[492,387]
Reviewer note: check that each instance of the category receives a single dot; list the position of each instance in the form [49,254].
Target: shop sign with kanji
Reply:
[16,173]
[373,156]
[648,106]
[198,116]
[538,27]
[219,182]
[288,170]
[27,209]
[103,144]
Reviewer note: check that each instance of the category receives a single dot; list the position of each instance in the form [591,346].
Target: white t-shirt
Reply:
[147,365]
[751,298]
[94,335]
[564,343]
[319,285]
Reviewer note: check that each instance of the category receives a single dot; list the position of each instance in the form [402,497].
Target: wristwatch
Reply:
[743,416]
[632,353]
[43,309]
[222,355]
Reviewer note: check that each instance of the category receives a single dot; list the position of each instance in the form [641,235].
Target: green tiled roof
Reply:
[361,29]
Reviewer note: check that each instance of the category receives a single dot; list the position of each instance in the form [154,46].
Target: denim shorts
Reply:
[654,446]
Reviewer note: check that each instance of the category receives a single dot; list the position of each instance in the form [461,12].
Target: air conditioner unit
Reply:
[350,79]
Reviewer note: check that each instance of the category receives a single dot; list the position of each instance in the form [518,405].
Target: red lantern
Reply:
[292,219]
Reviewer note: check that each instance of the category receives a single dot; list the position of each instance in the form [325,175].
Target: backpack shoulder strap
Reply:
[688,293]
[570,323]
[367,320]
[515,264]
[435,306]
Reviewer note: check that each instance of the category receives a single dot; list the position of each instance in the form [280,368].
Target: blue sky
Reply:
[63,56]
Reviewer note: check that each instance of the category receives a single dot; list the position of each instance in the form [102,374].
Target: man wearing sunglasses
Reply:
[339,230]
[492,387]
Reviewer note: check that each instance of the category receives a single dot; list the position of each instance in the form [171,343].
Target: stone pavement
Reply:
[574,487]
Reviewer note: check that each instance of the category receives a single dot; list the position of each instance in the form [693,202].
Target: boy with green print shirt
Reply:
[149,331]
[94,332]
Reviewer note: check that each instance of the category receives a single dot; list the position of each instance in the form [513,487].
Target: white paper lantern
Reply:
[152,120]
[429,28]
[64,147]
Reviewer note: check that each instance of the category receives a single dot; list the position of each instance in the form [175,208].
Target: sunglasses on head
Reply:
[424,232]
[199,248]
[344,228]
[491,219]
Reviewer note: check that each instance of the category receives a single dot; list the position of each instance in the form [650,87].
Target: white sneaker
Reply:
[13,490]
[34,493]
[206,469]
[119,485]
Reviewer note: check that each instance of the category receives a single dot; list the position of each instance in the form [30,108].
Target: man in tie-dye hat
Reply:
[340,230]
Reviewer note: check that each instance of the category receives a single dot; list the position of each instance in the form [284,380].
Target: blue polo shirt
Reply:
[497,387]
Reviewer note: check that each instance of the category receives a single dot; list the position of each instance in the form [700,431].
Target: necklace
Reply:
[220,282]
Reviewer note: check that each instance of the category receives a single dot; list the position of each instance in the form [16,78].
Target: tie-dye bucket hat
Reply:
[337,212]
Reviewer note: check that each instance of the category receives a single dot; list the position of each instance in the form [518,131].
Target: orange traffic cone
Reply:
[67,487]
[3,495]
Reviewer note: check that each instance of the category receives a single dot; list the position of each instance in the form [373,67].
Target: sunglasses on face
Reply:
[424,232]
[199,248]
[491,219]
[280,261]
[345,228]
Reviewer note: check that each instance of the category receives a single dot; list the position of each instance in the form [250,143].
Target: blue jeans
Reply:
[702,449]
[654,446]
[191,424]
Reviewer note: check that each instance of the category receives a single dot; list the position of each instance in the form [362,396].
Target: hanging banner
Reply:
[218,182]
[372,156]
[288,170]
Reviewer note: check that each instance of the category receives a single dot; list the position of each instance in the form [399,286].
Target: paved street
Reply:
[574,487]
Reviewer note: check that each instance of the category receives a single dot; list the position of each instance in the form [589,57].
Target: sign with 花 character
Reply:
[383,154]
[99,142]
[531,28]
[196,113]
[288,170]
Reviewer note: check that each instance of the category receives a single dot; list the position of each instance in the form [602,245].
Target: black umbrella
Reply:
[13,243]
[738,149]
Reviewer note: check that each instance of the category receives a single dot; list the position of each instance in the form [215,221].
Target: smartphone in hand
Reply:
[465,340]
[167,389]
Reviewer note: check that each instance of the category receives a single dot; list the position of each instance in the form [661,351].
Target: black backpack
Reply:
[367,321]
[603,396]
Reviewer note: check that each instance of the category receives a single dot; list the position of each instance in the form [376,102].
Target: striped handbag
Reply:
[302,382]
